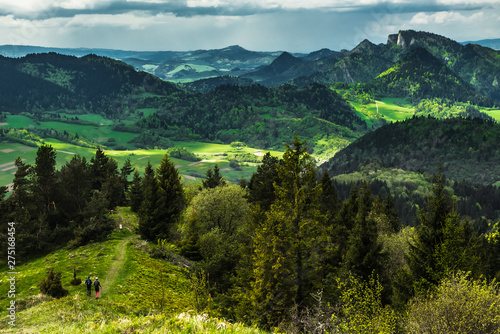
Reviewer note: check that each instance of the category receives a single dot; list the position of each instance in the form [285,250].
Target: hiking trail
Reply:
[120,254]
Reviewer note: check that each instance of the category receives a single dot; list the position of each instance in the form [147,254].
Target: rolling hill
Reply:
[467,149]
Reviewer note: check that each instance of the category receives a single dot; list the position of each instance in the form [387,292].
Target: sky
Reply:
[258,25]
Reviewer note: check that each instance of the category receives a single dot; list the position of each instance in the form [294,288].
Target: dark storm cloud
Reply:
[181,8]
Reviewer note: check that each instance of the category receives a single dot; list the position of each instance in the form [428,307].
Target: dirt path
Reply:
[116,267]
[120,252]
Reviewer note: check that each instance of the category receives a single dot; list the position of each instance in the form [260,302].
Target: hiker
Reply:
[97,285]
[88,283]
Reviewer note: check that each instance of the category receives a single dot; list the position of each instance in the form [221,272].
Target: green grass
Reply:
[131,294]
[394,112]
[391,109]
[214,153]
[99,134]
[493,112]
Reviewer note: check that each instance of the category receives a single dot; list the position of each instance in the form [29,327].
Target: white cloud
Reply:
[445,18]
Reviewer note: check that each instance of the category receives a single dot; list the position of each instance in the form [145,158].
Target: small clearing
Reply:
[189,177]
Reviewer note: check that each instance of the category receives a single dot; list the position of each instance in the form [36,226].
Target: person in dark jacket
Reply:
[88,283]
[97,285]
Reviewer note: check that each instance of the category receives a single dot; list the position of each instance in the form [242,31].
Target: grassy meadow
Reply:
[390,109]
[138,293]
[209,153]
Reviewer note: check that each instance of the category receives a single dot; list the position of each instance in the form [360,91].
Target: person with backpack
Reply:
[88,283]
[97,285]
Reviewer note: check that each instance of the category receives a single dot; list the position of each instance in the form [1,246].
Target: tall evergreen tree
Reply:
[135,192]
[125,172]
[261,185]
[329,199]
[442,245]
[363,256]
[44,178]
[171,199]
[99,169]
[75,185]
[286,248]
[148,206]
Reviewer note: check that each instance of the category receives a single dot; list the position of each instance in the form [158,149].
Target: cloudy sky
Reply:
[260,25]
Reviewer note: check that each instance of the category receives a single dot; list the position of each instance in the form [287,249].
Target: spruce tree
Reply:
[44,178]
[261,185]
[287,247]
[170,200]
[443,244]
[135,192]
[148,205]
[329,199]
[214,178]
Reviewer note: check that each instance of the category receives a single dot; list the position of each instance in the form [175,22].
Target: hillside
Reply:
[65,89]
[467,148]
[48,82]
[264,117]
[138,292]
[419,75]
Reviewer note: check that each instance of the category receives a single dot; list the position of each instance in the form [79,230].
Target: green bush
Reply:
[459,305]
[52,285]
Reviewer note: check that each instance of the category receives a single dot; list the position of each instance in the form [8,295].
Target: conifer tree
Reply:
[363,255]
[261,185]
[286,247]
[135,192]
[44,178]
[99,169]
[148,205]
[443,244]
[214,179]
[75,185]
[329,199]
[170,200]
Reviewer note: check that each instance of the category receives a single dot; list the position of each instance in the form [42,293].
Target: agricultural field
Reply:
[209,154]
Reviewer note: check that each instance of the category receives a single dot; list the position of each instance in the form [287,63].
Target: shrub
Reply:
[75,281]
[52,285]
[459,305]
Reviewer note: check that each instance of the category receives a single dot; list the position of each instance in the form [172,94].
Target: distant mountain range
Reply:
[489,43]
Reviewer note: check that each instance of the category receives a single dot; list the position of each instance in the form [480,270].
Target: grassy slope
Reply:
[129,298]
[390,109]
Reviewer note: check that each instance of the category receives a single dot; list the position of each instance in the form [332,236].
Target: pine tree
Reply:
[171,199]
[135,192]
[286,247]
[329,199]
[261,185]
[442,245]
[125,172]
[75,186]
[99,169]
[44,178]
[363,256]
[214,179]
[148,205]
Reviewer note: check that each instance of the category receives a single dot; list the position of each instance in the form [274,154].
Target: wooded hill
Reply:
[467,148]
[94,84]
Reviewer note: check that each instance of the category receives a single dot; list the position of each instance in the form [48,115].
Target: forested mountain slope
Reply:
[256,114]
[94,84]
[420,75]
[467,149]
